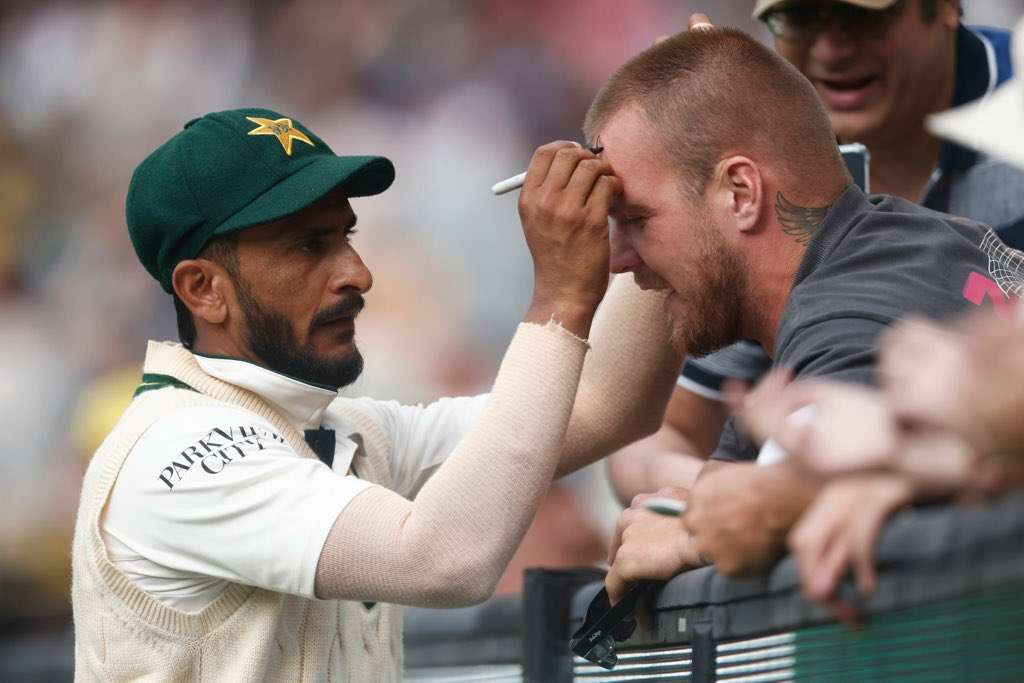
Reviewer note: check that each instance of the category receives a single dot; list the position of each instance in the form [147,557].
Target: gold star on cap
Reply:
[282,129]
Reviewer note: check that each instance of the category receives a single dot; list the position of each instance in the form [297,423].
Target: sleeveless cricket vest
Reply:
[246,633]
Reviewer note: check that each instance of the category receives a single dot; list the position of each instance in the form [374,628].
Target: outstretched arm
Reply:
[449,546]
[628,376]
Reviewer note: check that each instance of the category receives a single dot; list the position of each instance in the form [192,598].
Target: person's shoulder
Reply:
[359,409]
[989,190]
[896,259]
[998,44]
[190,422]
[992,32]
[888,208]
[1000,38]
[377,419]
[392,419]
[935,225]
[917,233]
[386,412]
[984,61]
[897,239]
[205,437]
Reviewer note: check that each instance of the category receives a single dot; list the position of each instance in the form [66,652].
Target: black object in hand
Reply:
[606,625]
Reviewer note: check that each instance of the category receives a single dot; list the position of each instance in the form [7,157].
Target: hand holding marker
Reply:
[669,507]
[516,181]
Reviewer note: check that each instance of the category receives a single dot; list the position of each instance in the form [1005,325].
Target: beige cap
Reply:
[763,6]
[995,123]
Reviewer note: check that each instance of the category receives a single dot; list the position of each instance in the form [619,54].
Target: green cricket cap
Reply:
[232,170]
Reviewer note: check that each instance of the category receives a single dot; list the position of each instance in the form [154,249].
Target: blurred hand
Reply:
[839,531]
[647,545]
[923,368]
[739,514]
[939,462]
[564,208]
[968,379]
[697,21]
[993,476]
[701,21]
[762,410]
[852,428]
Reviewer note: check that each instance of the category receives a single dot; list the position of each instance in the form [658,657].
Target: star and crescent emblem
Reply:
[282,129]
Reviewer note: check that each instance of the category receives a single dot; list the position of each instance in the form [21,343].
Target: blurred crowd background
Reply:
[456,93]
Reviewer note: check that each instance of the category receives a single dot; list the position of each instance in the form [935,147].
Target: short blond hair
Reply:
[719,92]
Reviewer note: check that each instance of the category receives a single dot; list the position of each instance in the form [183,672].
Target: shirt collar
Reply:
[850,204]
[975,77]
[301,403]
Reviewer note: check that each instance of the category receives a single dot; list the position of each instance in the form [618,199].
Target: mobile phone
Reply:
[858,161]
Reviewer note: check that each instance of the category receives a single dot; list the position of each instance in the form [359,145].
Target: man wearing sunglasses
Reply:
[880,67]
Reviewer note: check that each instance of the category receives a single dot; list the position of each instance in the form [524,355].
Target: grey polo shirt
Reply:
[872,261]
[965,183]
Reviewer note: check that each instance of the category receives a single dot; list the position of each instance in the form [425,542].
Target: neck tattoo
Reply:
[799,222]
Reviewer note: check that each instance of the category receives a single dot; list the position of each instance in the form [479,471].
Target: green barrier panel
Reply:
[975,638]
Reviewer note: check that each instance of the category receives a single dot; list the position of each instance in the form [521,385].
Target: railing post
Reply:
[703,643]
[547,597]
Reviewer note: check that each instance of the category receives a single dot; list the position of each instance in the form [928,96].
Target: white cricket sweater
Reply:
[245,634]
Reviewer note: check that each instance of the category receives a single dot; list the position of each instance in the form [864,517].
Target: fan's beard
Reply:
[706,315]
[272,340]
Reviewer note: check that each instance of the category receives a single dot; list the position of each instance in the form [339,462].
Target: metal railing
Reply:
[949,606]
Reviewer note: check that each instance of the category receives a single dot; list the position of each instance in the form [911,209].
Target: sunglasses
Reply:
[805,21]
[605,625]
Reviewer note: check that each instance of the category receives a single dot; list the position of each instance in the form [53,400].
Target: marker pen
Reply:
[516,181]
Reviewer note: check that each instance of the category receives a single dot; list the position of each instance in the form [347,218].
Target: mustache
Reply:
[347,307]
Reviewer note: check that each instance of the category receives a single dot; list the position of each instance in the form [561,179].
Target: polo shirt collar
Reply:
[303,404]
[975,77]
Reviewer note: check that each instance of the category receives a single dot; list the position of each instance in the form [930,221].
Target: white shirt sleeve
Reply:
[422,436]
[215,491]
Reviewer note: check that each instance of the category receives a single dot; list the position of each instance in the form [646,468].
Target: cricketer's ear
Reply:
[205,288]
[738,193]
